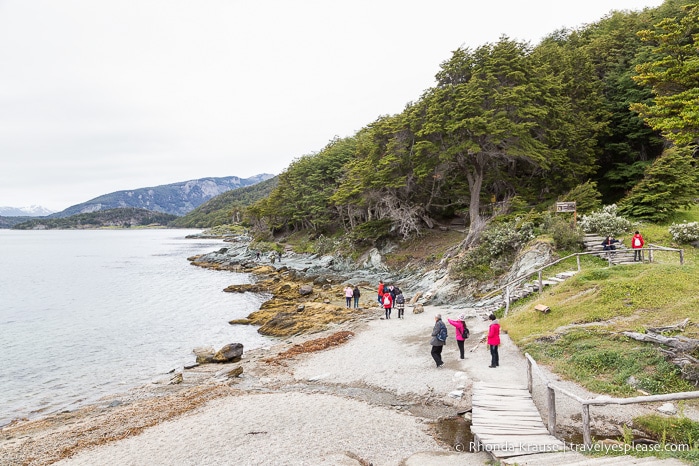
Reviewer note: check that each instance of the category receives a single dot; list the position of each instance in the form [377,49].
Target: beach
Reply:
[375,399]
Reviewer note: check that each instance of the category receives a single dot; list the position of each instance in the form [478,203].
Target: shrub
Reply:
[586,197]
[507,237]
[685,232]
[565,236]
[605,222]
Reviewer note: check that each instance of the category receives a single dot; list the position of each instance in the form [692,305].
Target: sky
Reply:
[98,96]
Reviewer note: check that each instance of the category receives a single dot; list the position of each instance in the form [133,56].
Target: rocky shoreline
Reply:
[327,358]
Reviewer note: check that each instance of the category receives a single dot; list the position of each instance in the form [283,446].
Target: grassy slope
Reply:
[580,338]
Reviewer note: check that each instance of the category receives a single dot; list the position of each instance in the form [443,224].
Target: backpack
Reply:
[465,333]
[637,242]
[387,300]
[442,334]
[400,299]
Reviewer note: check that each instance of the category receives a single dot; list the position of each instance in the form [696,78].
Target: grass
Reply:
[581,337]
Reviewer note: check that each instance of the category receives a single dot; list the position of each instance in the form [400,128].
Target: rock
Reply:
[204,354]
[240,322]
[229,373]
[176,379]
[414,299]
[305,290]
[668,408]
[418,309]
[456,394]
[632,381]
[229,353]
[300,308]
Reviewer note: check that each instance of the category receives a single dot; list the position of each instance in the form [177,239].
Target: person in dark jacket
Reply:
[609,243]
[400,303]
[356,294]
[437,344]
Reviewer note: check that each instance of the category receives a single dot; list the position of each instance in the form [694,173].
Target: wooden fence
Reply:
[585,404]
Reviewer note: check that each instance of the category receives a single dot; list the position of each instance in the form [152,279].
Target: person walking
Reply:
[356,294]
[439,338]
[400,303]
[349,294]
[387,304]
[637,243]
[494,340]
[462,332]
[380,292]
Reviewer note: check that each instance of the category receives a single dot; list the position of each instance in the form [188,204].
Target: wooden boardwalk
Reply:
[506,422]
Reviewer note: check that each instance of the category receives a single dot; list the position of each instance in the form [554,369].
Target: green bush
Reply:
[605,222]
[565,236]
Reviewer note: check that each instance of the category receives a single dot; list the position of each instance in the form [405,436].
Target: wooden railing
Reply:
[577,255]
[585,404]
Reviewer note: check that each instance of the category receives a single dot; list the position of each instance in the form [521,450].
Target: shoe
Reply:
[492,367]
[440,365]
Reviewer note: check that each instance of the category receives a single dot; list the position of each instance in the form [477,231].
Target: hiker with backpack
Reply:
[387,304]
[439,338]
[399,302]
[462,332]
[637,243]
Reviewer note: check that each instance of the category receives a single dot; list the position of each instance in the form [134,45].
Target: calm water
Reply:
[89,313]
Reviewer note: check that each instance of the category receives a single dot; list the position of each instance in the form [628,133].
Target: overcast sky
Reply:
[98,96]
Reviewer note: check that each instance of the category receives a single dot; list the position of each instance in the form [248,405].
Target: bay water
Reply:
[87,313]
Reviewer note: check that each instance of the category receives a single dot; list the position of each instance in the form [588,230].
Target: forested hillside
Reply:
[512,126]
[121,218]
[227,207]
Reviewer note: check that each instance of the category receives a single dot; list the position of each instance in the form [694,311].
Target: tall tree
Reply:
[487,111]
[673,75]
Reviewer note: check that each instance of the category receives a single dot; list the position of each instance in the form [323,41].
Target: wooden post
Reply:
[681,256]
[551,401]
[587,437]
[577,257]
[650,254]
[529,375]
[541,283]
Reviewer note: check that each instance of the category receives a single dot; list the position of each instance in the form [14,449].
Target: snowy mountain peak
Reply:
[31,211]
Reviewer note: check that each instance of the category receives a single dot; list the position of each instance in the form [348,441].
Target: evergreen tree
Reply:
[672,182]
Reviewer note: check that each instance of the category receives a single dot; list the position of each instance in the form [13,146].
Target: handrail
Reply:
[532,366]
[518,280]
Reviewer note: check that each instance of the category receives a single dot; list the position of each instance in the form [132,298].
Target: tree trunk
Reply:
[475,183]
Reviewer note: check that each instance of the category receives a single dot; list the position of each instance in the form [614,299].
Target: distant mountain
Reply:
[113,218]
[31,211]
[175,199]
[222,209]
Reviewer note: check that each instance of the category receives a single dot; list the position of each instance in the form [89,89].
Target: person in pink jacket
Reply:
[494,341]
[461,332]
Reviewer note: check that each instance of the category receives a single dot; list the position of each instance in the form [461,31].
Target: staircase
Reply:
[621,256]
[522,290]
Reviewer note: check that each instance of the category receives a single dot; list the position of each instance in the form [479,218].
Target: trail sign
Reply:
[565,206]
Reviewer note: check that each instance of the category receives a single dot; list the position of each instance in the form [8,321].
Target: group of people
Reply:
[391,297]
[637,242]
[352,293]
[439,338]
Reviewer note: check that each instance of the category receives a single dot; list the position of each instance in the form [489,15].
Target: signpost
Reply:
[568,207]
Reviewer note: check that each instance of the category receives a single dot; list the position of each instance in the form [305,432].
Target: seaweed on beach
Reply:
[311,346]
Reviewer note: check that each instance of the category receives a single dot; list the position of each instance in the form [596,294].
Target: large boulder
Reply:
[229,353]
[305,290]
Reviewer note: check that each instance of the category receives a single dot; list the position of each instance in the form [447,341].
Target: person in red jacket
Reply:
[380,297]
[387,303]
[636,244]
[494,341]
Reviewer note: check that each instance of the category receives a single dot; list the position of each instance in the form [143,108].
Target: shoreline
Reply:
[354,402]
